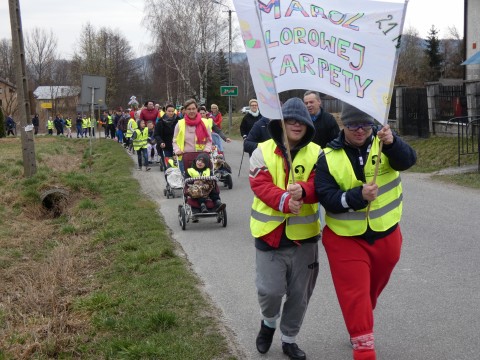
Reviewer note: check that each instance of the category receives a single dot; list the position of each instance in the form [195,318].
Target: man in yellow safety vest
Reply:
[362,237]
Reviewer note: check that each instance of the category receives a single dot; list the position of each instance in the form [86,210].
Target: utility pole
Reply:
[26,127]
[229,70]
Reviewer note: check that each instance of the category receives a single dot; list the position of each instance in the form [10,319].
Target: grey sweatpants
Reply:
[288,271]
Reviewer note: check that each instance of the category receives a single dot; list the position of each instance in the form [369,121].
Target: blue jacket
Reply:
[259,133]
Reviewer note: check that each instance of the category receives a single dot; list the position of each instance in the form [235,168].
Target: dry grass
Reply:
[42,268]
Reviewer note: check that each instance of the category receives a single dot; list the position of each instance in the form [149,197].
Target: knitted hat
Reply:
[295,108]
[352,115]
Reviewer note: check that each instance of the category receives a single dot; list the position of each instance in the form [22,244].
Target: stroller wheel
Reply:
[229,181]
[224,217]
[182,217]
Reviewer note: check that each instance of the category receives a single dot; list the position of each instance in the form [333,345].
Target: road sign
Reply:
[46,105]
[229,90]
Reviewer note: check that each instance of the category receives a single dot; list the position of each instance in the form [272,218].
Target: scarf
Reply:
[254,114]
[201,131]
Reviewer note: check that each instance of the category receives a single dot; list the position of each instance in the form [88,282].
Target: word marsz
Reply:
[335,17]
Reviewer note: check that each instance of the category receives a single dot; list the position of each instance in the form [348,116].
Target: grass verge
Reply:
[101,279]
[437,153]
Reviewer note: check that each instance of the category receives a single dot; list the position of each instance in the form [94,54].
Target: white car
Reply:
[245,109]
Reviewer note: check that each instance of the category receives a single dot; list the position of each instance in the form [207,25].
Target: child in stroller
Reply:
[201,189]
[221,169]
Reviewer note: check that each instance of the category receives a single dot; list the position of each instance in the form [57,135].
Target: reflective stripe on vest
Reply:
[131,127]
[264,219]
[180,139]
[140,140]
[385,210]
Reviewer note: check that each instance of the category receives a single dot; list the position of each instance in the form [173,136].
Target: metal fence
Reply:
[468,136]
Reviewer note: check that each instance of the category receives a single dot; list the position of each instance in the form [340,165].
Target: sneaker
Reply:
[147,168]
[139,168]
[194,219]
[293,351]
[264,338]
[203,208]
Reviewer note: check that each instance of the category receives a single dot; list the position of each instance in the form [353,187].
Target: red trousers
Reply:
[360,272]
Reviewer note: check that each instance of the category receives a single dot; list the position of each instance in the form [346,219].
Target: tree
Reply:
[435,59]
[40,50]
[411,60]
[107,53]
[188,35]
[7,70]
[218,76]
[453,54]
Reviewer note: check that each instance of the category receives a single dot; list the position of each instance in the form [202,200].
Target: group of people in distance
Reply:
[361,235]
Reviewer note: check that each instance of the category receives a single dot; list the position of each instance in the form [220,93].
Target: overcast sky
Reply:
[66,17]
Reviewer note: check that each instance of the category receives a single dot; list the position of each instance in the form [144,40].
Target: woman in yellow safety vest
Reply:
[191,133]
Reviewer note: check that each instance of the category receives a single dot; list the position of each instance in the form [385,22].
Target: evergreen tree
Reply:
[3,133]
[218,76]
[432,51]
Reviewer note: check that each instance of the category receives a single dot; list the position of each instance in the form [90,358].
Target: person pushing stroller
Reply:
[201,190]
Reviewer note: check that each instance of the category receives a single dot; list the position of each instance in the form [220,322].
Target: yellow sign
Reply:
[46,105]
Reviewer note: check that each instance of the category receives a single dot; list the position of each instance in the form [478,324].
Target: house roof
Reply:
[6,82]
[55,92]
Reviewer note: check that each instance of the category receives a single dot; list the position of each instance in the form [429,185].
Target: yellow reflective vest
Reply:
[180,139]
[50,124]
[131,127]
[85,123]
[385,210]
[140,141]
[264,219]
[194,173]
[68,123]
[110,121]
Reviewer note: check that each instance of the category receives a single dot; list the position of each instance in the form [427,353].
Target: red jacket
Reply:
[149,115]
[263,187]
[217,119]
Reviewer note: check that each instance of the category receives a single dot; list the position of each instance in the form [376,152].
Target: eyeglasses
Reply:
[355,127]
[293,122]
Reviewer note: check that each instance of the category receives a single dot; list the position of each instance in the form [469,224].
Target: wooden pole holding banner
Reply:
[375,173]
[282,120]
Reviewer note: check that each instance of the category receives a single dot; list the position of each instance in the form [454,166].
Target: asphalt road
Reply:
[429,310]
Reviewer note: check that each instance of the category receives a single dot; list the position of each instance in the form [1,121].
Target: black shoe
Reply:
[293,351]
[203,208]
[264,338]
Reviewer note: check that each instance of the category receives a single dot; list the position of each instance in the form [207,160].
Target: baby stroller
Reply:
[190,209]
[221,169]
[173,178]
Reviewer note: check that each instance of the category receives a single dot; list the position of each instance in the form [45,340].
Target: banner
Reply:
[347,49]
